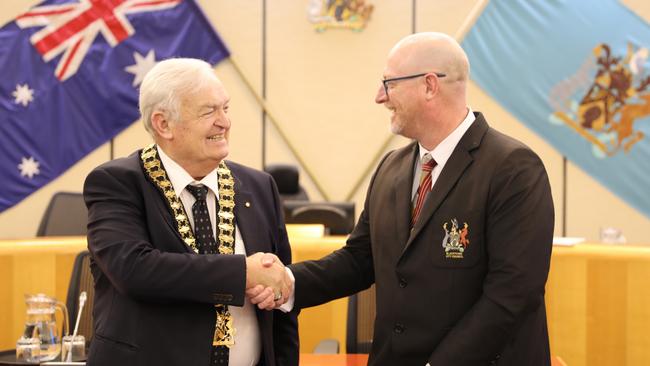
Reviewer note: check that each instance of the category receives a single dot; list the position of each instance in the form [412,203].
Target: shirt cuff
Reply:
[288,306]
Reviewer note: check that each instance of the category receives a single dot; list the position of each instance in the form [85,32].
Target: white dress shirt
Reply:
[441,153]
[248,343]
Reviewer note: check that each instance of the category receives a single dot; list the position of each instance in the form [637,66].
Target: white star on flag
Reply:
[23,94]
[142,66]
[29,167]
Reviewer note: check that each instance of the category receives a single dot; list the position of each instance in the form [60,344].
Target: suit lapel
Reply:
[459,160]
[158,197]
[167,216]
[402,194]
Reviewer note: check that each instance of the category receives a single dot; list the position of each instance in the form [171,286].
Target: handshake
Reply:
[267,283]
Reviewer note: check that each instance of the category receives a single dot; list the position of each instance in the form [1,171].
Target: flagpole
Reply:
[564,195]
[283,135]
[470,19]
[460,34]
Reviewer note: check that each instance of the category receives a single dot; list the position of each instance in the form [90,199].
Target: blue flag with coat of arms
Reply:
[577,73]
[70,77]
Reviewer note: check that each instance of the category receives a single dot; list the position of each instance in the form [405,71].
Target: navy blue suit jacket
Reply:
[154,297]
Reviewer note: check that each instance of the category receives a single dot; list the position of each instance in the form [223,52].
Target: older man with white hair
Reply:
[176,234]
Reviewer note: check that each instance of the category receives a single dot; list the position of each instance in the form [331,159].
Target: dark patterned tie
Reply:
[428,163]
[202,225]
[207,245]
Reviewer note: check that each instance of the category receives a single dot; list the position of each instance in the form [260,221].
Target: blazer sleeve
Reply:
[120,233]
[519,236]
[343,272]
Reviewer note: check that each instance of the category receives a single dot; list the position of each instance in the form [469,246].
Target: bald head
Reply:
[425,85]
[430,51]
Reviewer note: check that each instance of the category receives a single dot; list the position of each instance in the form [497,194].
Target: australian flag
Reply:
[70,77]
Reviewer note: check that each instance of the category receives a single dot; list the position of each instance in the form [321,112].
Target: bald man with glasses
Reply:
[456,231]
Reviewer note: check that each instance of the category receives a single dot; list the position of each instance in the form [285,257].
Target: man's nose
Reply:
[381,96]
[222,120]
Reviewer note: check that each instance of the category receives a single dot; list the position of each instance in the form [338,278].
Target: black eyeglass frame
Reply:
[386,81]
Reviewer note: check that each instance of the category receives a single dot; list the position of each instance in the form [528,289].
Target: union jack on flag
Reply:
[70,73]
[72,28]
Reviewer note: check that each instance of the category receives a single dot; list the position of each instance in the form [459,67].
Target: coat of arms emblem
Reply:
[604,99]
[348,14]
[455,241]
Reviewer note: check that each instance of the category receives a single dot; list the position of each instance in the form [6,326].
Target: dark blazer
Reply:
[484,305]
[153,295]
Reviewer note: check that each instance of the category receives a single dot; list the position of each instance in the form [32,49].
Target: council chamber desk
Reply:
[597,296]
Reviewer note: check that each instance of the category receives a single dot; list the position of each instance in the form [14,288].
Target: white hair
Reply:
[167,83]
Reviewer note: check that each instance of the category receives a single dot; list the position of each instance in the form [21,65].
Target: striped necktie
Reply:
[428,163]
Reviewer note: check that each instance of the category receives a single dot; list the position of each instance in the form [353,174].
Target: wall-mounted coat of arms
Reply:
[346,14]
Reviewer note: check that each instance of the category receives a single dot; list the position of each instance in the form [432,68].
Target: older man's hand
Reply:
[267,283]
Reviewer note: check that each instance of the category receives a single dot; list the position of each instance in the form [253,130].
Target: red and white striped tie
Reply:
[428,163]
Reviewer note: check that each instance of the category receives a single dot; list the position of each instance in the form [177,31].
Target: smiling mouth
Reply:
[217,137]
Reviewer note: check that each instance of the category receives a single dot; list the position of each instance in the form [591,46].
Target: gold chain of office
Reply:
[224,332]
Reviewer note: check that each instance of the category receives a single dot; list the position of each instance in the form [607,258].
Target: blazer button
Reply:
[399,328]
[402,283]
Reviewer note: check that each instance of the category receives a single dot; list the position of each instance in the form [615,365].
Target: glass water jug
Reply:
[41,325]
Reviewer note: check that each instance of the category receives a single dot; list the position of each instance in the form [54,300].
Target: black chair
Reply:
[286,177]
[336,220]
[81,280]
[66,214]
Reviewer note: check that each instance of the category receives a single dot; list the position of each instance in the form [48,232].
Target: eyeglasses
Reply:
[386,81]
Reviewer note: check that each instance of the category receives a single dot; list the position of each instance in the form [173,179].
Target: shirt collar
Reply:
[445,148]
[180,178]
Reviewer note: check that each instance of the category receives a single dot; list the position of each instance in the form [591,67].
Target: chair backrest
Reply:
[286,177]
[66,214]
[336,220]
[361,321]
[81,280]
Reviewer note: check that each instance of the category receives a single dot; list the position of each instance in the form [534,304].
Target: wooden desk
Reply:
[310,359]
[31,266]
[597,296]
[327,320]
[597,300]
[598,304]
[44,265]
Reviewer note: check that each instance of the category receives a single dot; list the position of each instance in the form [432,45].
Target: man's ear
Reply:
[433,86]
[161,125]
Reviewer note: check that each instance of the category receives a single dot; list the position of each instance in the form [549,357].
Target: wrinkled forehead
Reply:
[210,93]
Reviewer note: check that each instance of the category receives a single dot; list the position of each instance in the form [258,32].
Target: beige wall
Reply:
[320,88]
